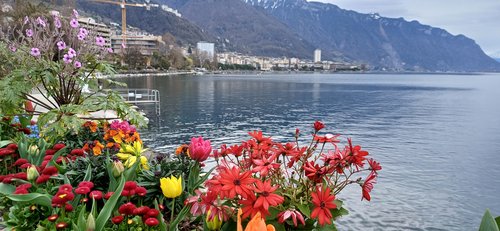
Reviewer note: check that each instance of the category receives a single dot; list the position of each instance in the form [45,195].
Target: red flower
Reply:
[236,183]
[130,185]
[151,222]
[6,151]
[199,149]
[292,213]
[328,138]
[58,147]
[368,186]
[108,195]
[77,152]
[197,208]
[12,146]
[82,190]
[52,218]
[51,170]
[50,152]
[153,213]
[141,191]
[42,179]
[250,210]
[318,125]
[356,156]
[141,210]
[61,225]
[257,135]
[68,207]
[65,188]
[96,194]
[20,161]
[127,209]
[87,184]
[265,164]
[266,196]
[374,165]
[117,220]
[22,189]
[314,172]
[323,202]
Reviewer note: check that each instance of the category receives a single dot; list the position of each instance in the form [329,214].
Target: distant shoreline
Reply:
[225,73]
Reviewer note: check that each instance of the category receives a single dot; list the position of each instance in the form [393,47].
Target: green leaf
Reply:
[106,211]
[179,218]
[277,226]
[498,222]
[162,225]
[331,227]
[304,209]
[4,143]
[339,212]
[81,219]
[194,174]
[36,198]
[488,222]
[229,225]
[7,189]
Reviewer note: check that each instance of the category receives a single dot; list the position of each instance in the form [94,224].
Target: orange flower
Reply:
[91,125]
[256,224]
[97,149]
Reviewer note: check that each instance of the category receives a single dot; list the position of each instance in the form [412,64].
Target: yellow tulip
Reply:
[256,224]
[144,163]
[130,161]
[123,156]
[171,187]
[213,224]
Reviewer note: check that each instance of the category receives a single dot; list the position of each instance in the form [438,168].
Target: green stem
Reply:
[173,209]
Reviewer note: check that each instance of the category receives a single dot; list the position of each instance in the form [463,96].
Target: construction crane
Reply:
[123,4]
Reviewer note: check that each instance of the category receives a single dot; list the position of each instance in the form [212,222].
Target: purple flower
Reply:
[67,58]
[57,22]
[12,48]
[26,20]
[75,13]
[61,45]
[71,52]
[100,41]
[40,22]
[123,45]
[77,64]
[81,36]
[84,31]
[109,50]
[73,23]
[29,32]
[35,52]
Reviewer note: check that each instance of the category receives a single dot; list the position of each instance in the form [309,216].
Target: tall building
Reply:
[146,44]
[317,55]
[206,48]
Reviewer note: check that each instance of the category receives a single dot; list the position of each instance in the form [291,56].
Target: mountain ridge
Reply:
[384,43]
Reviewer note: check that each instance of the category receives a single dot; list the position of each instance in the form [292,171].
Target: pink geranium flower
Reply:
[35,52]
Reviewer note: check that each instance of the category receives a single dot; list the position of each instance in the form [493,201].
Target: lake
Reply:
[436,136]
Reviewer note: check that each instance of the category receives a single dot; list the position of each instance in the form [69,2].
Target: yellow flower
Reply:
[213,224]
[130,154]
[131,161]
[171,187]
[144,163]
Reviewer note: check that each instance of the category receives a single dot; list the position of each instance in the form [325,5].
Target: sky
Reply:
[476,19]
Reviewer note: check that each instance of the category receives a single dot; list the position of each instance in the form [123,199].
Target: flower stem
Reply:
[173,209]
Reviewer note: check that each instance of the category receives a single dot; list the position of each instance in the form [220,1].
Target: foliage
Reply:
[53,62]
[489,223]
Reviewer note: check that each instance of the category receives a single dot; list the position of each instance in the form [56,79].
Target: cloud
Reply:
[479,19]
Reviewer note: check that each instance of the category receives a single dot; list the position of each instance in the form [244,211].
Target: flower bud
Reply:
[118,168]
[214,224]
[33,150]
[90,223]
[32,173]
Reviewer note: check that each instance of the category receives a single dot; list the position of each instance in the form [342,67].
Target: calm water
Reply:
[437,136]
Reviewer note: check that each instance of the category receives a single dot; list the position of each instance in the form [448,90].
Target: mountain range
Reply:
[294,28]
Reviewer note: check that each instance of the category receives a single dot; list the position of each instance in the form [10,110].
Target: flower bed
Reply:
[67,173]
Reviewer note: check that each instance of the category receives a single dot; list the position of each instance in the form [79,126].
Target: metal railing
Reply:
[141,96]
